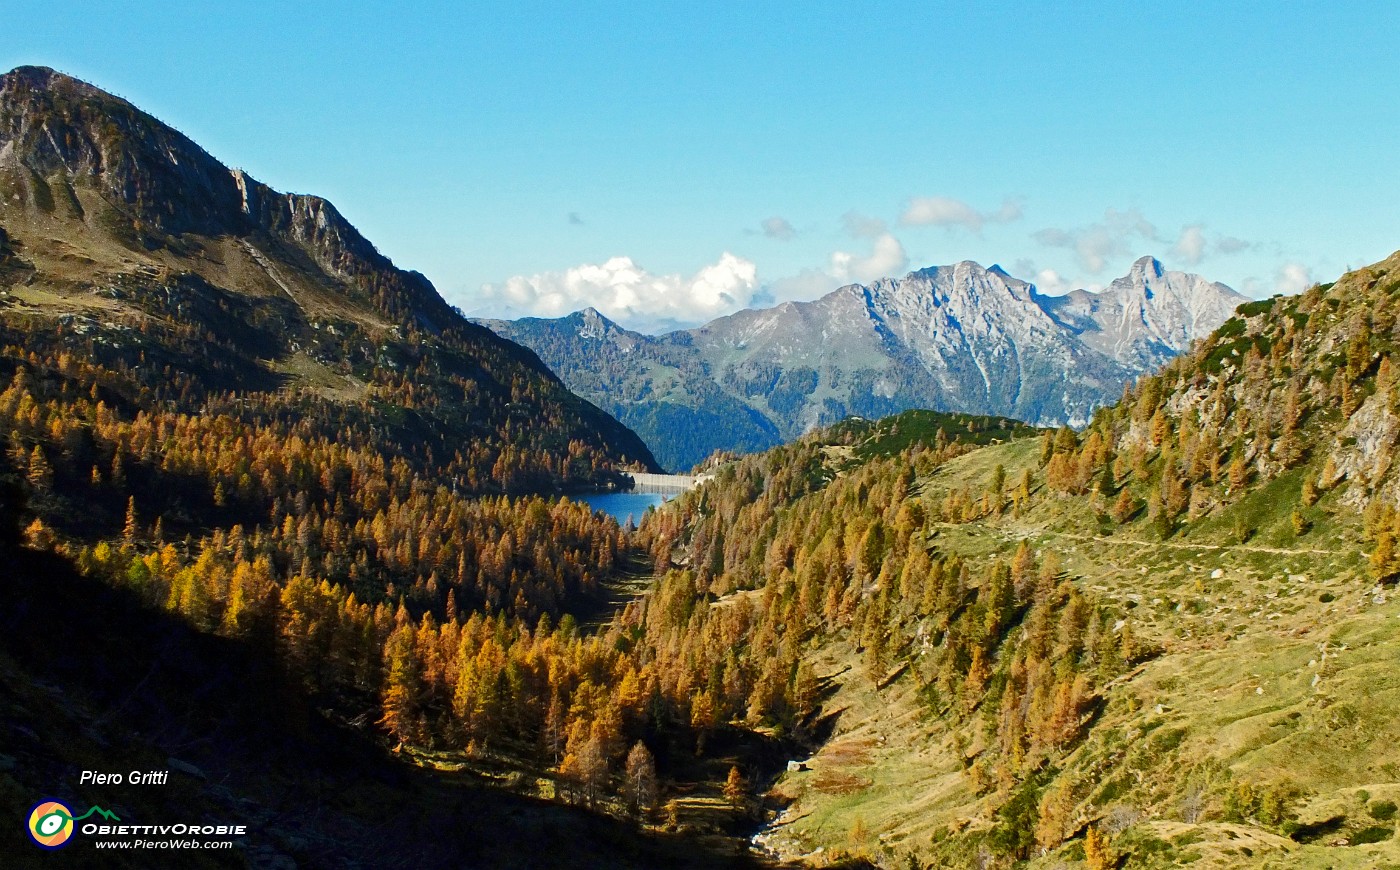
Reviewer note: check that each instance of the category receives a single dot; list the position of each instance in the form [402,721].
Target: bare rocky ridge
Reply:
[1149,314]
[56,127]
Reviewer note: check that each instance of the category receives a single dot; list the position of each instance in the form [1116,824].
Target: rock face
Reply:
[955,338]
[53,126]
[1146,317]
[114,223]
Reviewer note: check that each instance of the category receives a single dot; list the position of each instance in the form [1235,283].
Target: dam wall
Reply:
[665,483]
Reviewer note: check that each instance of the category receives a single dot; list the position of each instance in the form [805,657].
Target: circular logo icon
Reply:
[50,824]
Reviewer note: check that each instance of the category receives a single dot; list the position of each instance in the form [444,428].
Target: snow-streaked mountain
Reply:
[958,337]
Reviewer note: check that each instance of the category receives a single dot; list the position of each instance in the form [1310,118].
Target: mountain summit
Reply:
[125,243]
[61,138]
[959,337]
[1149,314]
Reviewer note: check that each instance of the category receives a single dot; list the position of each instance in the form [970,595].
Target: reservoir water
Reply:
[621,505]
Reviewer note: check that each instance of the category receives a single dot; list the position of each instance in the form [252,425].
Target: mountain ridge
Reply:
[137,240]
[958,337]
[150,168]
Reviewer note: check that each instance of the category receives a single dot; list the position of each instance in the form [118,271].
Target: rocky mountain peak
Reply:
[594,325]
[51,123]
[39,77]
[156,185]
[1146,268]
[593,315]
[1147,316]
[961,271]
[964,292]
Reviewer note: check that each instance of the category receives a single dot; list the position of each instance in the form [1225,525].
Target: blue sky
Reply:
[671,161]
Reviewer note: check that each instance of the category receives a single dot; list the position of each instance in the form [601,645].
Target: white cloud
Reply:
[1190,247]
[805,285]
[1048,282]
[630,294]
[1051,283]
[944,211]
[859,226]
[1010,211]
[1293,278]
[940,211]
[887,257]
[1231,245]
[1193,246]
[777,228]
[1121,233]
[1096,243]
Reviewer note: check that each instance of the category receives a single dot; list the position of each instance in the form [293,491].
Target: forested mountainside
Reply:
[1163,640]
[93,675]
[224,404]
[958,338]
[436,626]
[189,289]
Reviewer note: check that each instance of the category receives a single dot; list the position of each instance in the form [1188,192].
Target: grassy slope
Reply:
[1242,679]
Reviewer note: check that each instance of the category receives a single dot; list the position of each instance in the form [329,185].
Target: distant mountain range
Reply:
[955,338]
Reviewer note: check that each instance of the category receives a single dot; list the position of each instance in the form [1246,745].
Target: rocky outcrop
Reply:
[56,127]
[52,124]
